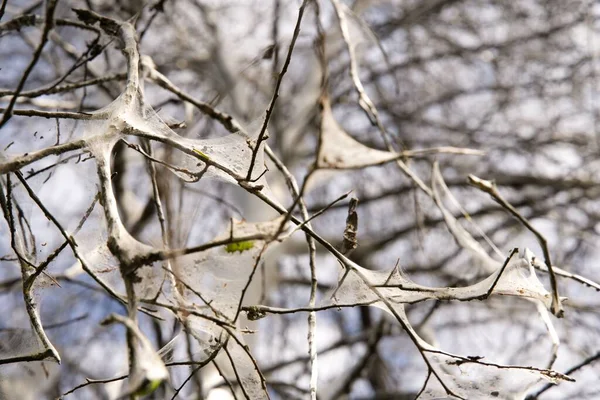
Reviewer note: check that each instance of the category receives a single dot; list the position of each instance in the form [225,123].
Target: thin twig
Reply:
[48,25]
[490,188]
[588,361]
[262,135]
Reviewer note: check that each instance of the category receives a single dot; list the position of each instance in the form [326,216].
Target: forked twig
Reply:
[490,188]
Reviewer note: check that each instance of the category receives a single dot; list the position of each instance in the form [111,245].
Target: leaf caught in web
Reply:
[350,241]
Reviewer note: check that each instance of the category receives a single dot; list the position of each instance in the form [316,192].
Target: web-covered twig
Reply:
[490,188]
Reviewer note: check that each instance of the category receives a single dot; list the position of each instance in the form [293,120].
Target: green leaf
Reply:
[201,154]
[148,387]
[239,246]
